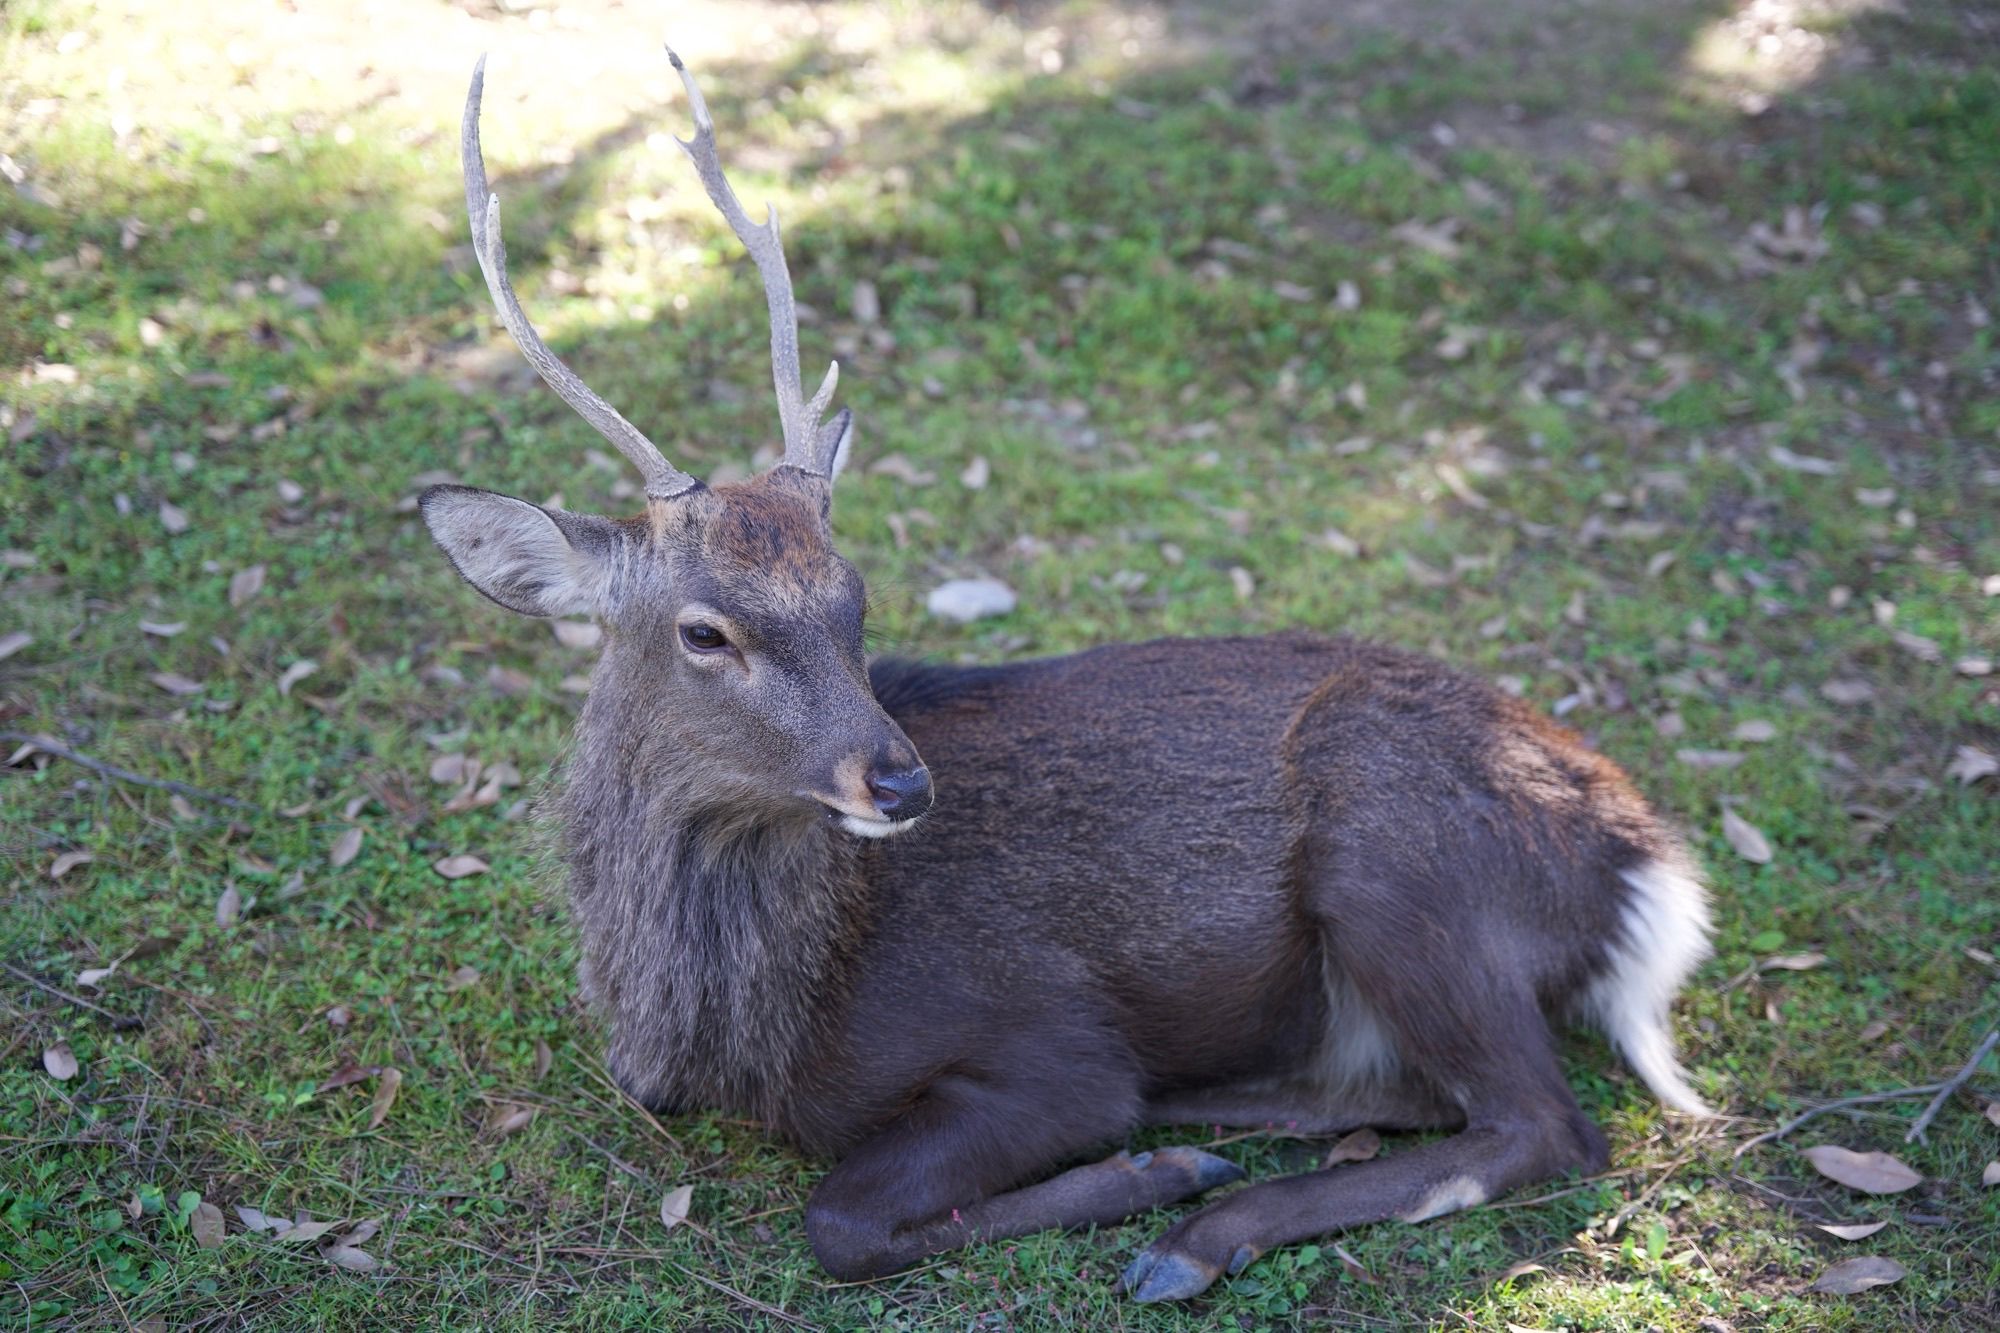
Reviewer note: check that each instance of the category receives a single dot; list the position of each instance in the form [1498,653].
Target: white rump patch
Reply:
[1356,1049]
[1455,1195]
[1663,938]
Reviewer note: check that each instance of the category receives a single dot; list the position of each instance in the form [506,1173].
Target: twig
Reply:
[1865,1099]
[49,745]
[1950,1086]
[120,1021]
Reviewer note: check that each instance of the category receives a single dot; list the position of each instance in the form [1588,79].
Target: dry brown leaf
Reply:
[353,1260]
[1851,1275]
[1991,1175]
[95,977]
[1355,1268]
[173,518]
[386,1088]
[1755,731]
[175,684]
[1993,1114]
[67,862]
[206,1225]
[448,769]
[1359,1146]
[1970,764]
[1852,1231]
[60,1061]
[346,847]
[1869,1172]
[1792,962]
[1748,840]
[13,643]
[261,1222]
[245,584]
[1519,1270]
[461,977]
[1847,692]
[544,1059]
[674,1208]
[458,867]
[295,673]
[348,1075]
[228,906]
[506,1118]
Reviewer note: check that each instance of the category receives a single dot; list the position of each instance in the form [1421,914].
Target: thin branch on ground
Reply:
[49,745]
[123,1022]
[1950,1086]
[1865,1099]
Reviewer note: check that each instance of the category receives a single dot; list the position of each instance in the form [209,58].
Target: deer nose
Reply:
[903,795]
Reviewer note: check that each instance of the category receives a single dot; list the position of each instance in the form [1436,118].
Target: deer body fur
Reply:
[1291,880]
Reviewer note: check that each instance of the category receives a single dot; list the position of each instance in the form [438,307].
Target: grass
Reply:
[1548,439]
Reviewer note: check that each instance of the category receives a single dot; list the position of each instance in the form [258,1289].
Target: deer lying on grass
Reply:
[1291,879]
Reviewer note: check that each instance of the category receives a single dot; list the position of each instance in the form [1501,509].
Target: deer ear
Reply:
[540,562]
[836,437]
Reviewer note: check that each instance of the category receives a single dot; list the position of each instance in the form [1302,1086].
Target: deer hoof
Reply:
[1165,1276]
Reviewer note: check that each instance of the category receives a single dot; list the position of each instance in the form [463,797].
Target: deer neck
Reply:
[716,942]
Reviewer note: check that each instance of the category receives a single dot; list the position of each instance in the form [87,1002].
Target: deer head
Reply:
[733,661]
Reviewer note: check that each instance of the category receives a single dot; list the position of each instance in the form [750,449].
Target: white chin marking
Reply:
[874,828]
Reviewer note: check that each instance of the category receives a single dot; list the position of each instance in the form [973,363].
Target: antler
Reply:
[663,479]
[801,420]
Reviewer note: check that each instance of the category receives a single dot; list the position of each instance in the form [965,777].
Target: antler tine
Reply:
[800,420]
[663,480]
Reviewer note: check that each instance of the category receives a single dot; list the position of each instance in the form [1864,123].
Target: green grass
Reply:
[1079,271]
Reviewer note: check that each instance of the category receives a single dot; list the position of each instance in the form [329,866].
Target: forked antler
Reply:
[800,419]
[663,480]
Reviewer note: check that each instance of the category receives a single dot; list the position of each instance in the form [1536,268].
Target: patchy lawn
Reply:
[1638,355]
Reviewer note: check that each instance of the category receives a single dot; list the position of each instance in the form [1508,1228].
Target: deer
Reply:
[962,930]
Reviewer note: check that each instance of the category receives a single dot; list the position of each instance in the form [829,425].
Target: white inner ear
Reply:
[514,553]
[840,449]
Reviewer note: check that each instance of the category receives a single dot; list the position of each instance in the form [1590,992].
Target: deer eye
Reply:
[701,638]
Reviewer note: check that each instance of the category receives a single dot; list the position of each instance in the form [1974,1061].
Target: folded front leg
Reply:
[947,1172]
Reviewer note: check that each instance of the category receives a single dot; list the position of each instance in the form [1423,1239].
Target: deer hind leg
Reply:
[1462,1020]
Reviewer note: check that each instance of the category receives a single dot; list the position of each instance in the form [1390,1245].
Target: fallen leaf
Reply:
[162,629]
[363,1230]
[60,1061]
[353,1260]
[1354,1267]
[1519,1270]
[674,1208]
[67,862]
[346,847]
[347,1076]
[295,673]
[967,600]
[976,474]
[1993,1114]
[173,518]
[95,977]
[304,1230]
[1359,1146]
[206,1224]
[577,633]
[458,867]
[902,469]
[506,1118]
[13,643]
[1970,764]
[1710,758]
[1852,1231]
[1793,962]
[1791,462]
[229,906]
[448,769]
[1919,647]
[174,684]
[544,1059]
[245,584]
[1756,731]
[1851,1275]
[1847,692]
[1869,1172]
[461,977]
[1991,1175]
[1973,666]
[1749,841]
[261,1222]
[1243,581]
[386,1088]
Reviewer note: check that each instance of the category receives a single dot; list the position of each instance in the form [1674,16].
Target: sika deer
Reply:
[1228,881]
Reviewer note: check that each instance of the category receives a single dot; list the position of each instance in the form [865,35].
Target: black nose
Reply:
[902,795]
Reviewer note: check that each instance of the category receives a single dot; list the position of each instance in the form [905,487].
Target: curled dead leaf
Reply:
[60,1061]
[448,769]
[674,1207]
[506,1118]
[350,1258]
[228,906]
[1792,962]
[1970,764]
[1869,1172]
[295,673]
[461,977]
[245,584]
[544,1059]
[346,847]
[386,1088]
[1746,838]
[1852,1275]
[458,867]
[206,1225]
[1359,1146]
[1991,1175]
[67,862]
[1852,1231]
